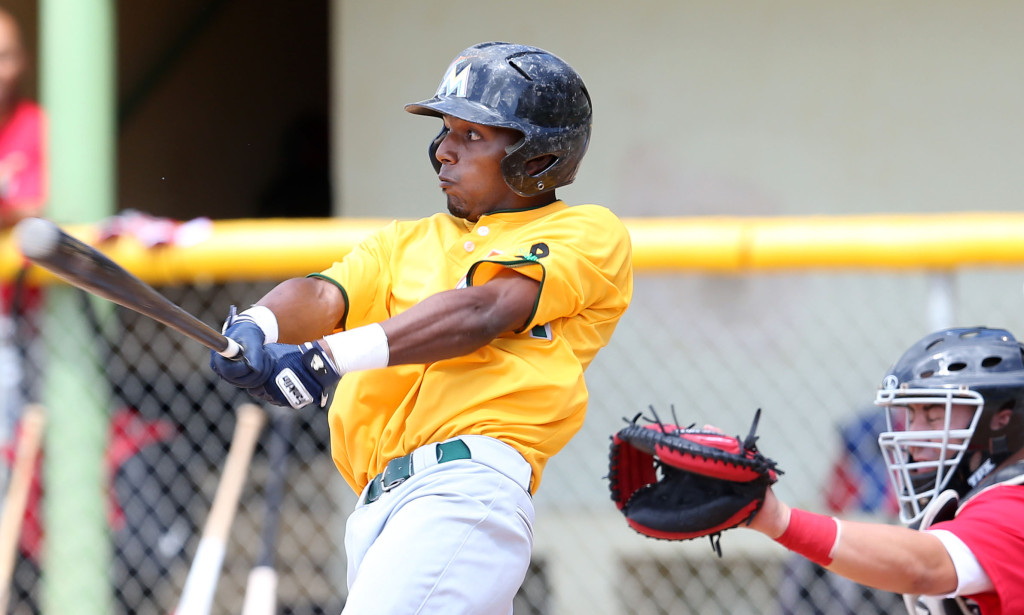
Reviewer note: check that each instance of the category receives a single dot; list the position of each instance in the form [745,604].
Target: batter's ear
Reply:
[536,166]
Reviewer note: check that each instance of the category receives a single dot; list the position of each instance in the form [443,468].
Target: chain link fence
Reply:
[807,348]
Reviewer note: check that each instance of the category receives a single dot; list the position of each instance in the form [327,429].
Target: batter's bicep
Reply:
[585,266]
[515,300]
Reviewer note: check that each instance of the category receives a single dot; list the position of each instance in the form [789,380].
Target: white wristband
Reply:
[359,348]
[265,320]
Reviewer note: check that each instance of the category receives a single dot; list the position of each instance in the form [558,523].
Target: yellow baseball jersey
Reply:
[524,388]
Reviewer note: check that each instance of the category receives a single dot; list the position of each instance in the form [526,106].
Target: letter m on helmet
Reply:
[455,82]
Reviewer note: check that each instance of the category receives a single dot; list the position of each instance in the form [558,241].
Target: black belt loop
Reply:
[398,470]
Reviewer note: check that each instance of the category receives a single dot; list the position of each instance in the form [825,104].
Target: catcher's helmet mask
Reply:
[972,366]
[528,90]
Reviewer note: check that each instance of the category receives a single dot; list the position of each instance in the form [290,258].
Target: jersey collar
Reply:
[520,216]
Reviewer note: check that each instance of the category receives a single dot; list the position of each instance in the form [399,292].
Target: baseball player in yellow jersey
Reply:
[462,339]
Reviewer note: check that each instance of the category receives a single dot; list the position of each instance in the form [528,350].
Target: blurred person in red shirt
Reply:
[23,192]
[22,130]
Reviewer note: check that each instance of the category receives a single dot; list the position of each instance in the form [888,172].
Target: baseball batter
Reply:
[955,450]
[462,339]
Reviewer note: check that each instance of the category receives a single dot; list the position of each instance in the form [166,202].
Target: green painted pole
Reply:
[77,85]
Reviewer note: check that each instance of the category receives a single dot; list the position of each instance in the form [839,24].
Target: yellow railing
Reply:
[282,248]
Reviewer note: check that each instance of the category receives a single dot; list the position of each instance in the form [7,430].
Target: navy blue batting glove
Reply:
[254,366]
[301,375]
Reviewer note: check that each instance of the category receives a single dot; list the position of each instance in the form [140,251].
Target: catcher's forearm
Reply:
[814,536]
[885,557]
[894,558]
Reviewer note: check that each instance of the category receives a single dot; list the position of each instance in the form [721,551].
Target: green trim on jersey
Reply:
[344,316]
[512,265]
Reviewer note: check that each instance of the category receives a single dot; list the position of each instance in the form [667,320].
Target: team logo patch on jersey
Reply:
[536,252]
[455,81]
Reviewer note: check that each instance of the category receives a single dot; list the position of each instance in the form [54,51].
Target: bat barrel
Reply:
[85,267]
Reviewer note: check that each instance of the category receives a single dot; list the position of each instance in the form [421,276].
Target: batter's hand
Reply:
[300,375]
[254,366]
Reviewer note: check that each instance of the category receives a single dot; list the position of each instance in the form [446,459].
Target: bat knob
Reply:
[233,350]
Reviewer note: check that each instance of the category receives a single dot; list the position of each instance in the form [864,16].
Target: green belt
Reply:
[400,469]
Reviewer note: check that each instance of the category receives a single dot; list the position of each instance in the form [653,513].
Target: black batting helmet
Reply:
[524,88]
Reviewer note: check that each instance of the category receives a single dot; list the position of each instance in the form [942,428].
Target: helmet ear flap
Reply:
[539,165]
[434,145]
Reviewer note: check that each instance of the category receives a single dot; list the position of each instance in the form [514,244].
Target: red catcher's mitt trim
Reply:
[631,469]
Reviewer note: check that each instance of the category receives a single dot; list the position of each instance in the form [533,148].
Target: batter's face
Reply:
[470,176]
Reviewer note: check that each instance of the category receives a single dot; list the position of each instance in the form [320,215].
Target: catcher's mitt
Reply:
[680,483]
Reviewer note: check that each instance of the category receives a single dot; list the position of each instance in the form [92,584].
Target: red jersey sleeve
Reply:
[989,524]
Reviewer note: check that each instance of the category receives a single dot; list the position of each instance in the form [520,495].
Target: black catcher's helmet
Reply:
[524,88]
[973,366]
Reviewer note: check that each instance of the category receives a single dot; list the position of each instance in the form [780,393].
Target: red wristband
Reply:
[811,535]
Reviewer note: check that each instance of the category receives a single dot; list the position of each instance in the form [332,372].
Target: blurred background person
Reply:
[22,125]
[22,194]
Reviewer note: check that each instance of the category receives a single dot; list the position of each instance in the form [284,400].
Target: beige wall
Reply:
[712,108]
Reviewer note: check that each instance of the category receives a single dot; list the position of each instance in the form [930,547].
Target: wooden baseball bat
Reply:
[203,575]
[29,442]
[85,267]
[261,586]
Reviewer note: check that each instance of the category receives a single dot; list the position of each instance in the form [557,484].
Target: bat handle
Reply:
[233,350]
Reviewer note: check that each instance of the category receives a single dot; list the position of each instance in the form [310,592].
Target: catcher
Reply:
[954,449]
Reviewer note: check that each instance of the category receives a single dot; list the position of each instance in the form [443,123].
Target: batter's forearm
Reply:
[446,325]
[454,323]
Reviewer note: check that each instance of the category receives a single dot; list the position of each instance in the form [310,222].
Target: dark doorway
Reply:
[223,108]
